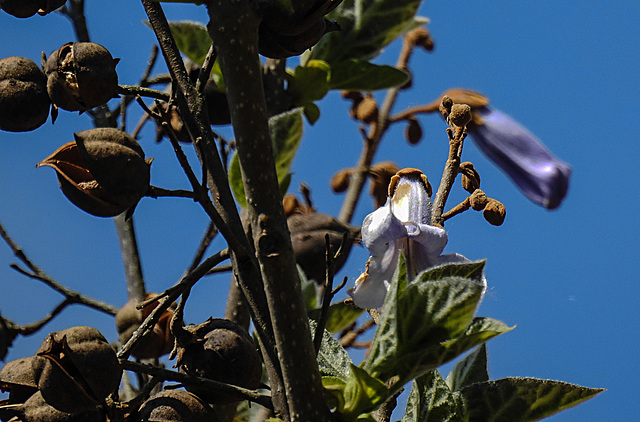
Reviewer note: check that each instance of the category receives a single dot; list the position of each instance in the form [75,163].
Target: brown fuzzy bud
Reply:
[340,180]
[351,95]
[494,212]
[445,106]
[460,114]
[478,200]
[413,131]
[367,110]
[24,102]
[420,37]
[381,175]
[470,177]
[81,75]
[291,205]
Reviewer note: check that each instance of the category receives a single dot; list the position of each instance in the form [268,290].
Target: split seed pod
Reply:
[81,75]
[28,8]
[103,172]
[176,406]
[159,341]
[36,409]
[220,350]
[80,371]
[308,233]
[20,378]
[24,102]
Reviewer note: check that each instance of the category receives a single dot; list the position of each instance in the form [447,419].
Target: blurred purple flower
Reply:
[401,225]
[542,177]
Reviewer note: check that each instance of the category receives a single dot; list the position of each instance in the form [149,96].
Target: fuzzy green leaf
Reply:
[471,369]
[359,75]
[309,82]
[367,27]
[522,399]
[362,394]
[286,133]
[192,39]
[431,400]
[333,360]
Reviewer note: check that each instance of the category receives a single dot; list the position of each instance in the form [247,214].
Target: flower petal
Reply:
[372,286]
[380,229]
[542,177]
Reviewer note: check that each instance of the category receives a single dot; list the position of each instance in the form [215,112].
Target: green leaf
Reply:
[312,113]
[339,317]
[308,288]
[471,369]
[358,75]
[522,399]
[367,27]
[309,82]
[362,394]
[430,321]
[333,360]
[192,39]
[431,400]
[286,133]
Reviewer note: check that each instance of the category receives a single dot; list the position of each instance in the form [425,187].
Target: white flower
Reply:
[402,224]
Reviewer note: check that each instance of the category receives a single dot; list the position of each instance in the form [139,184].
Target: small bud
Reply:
[351,95]
[478,200]
[494,212]
[367,110]
[470,177]
[460,114]
[445,106]
[413,132]
[291,205]
[340,180]
[381,175]
[420,37]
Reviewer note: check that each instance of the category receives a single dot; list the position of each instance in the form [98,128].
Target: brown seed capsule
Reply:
[35,409]
[460,114]
[220,350]
[470,177]
[367,110]
[176,406]
[81,75]
[340,180]
[478,200]
[20,378]
[308,233]
[80,371]
[103,172]
[159,341]
[28,8]
[494,212]
[413,131]
[24,102]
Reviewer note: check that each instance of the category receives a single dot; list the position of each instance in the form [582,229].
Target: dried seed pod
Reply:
[176,406]
[81,75]
[284,34]
[159,341]
[36,409]
[28,8]
[470,177]
[309,246]
[413,131]
[340,180]
[460,114]
[80,371]
[367,110]
[24,102]
[478,200]
[494,212]
[103,172]
[20,378]
[220,350]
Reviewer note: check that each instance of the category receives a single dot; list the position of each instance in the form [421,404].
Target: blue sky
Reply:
[566,70]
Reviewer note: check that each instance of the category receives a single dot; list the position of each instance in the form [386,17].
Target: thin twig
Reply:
[205,70]
[143,92]
[252,395]
[156,192]
[38,274]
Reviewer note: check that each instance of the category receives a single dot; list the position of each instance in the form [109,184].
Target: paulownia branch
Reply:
[36,273]
[233,28]
[166,374]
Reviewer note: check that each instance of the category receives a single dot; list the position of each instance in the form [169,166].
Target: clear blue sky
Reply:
[566,70]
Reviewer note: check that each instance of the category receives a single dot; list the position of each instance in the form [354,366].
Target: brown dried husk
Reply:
[176,406]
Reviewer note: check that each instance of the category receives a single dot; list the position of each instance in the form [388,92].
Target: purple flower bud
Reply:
[542,177]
